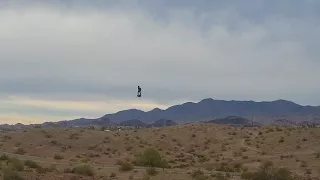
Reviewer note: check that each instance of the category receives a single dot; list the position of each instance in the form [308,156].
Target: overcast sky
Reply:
[85,58]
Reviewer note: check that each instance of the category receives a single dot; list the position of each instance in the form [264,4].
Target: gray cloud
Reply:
[176,50]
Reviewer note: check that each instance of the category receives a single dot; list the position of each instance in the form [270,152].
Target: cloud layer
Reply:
[86,58]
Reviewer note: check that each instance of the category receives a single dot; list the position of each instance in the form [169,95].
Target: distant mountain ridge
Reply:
[208,109]
[264,112]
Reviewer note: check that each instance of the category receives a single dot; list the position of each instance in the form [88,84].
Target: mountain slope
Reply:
[162,123]
[133,122]
[103,121]
[234,120]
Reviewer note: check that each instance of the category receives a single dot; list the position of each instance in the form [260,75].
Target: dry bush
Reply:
[125,166]
[15,164]
[150,158]
[152,171]
[20,151]
[48,136]
[198,175]
[268,172]
[9,174]
[58,157]
[85,170]
[4,157]
[31,164]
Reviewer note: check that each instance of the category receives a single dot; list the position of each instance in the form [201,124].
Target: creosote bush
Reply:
[150,158]
[31,164]
[58,157]
[198,175]
[268,172]
[20,151]
[125,166]
[152,171]
[15,164]
[85,170]
[9,174]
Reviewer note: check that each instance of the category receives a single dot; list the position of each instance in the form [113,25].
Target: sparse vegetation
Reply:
[151,158]
[268,172]
[57,157]
[9,174]
[31,164]
[126,166]
[20,151]
[15,164]
[198,175]
[152,171]
[85,170]
[223,150]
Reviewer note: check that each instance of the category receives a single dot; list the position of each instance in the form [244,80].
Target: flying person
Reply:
[139,91]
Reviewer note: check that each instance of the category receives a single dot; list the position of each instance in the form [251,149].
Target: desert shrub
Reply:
[201,177]
[126,166]
[236,154]
[198,175]
[243,149]
[54,142]
[15,164]
[85,170]
[31,164]
[67,170]
[268,172]
[9,174]
[245,157]
[51,168]
[41,170]
[57,157]
[237,166]
[85,160]
[20,151]
[247,175]
[6,137]
[48,136]
[4,157]
[220,176]
[146,177]
[113,175]
[308,171]
[152,171]
[151,158]
[74,136]
[304,164]
[224,167]
[281,140]
[318,155]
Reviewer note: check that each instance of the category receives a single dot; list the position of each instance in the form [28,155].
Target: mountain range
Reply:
[264,112]
[208,109]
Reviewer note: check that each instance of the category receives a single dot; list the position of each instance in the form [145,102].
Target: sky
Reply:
[68,59]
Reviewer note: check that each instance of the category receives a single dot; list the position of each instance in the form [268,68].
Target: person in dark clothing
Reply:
[139,91]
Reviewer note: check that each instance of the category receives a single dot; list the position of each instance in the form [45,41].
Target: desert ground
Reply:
[193,151]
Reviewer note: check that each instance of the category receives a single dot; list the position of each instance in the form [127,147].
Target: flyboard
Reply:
[139,92]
